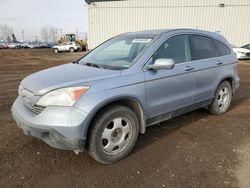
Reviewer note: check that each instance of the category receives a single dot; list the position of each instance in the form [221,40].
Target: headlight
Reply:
[62,97]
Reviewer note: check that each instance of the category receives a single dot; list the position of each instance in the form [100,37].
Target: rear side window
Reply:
[222,48]
[202,47]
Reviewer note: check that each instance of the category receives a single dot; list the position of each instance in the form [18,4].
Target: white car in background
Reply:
[66,47]
[241,53]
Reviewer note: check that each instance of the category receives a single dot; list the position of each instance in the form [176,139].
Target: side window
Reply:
[176,48]
[202,47]
[246,46]
[222,48]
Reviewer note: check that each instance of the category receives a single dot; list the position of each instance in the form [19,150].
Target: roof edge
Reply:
[93,1]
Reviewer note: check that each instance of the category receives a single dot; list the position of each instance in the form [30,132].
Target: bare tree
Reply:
[8,39]
[6,31]
[45,33]
[53,33]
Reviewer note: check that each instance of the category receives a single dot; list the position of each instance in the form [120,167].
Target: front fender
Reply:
[92,103]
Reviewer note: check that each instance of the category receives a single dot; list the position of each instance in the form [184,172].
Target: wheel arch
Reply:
[130,102]
[230,79]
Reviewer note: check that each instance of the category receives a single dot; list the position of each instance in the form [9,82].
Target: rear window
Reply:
[202,47]
[222,48]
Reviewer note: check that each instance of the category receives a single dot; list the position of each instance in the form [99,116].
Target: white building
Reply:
[109,18]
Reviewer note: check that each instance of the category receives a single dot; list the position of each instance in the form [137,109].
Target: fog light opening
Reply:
[45,135]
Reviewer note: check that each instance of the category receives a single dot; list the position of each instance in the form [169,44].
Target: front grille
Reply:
[34,108]
[28,100]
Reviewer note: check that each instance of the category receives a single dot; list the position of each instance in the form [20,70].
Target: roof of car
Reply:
[158,32]
[162,31]
[148,32]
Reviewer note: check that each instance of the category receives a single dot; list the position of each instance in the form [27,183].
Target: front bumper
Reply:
[59,127]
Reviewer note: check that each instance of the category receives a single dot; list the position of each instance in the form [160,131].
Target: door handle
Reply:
[219,63]
[189,68]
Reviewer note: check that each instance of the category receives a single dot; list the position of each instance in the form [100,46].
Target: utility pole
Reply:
[23,34]
[77,33]
[61,32]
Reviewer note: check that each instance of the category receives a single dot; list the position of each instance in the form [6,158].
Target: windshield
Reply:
[117,53]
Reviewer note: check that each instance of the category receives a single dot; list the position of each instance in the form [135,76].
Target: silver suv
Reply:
[102,101]
[66,47]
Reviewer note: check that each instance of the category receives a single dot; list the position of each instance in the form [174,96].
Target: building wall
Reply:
[107,19]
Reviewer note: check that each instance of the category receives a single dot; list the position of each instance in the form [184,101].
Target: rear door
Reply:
[169,90]
[209,65]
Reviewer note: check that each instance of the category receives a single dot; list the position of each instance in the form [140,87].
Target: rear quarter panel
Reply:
[210,75]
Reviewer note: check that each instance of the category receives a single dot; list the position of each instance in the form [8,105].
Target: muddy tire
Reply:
[113,134]
[222,99]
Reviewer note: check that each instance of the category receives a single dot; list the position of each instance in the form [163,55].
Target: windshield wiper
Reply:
[99,66]
[93,65]
[76,62]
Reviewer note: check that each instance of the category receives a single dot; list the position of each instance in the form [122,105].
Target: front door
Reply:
[169,90]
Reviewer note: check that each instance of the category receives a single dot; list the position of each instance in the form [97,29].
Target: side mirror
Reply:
[162,64]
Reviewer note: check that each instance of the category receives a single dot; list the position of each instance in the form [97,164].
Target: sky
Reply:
[32,15]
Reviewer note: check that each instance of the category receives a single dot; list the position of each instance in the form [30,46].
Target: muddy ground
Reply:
[194,150]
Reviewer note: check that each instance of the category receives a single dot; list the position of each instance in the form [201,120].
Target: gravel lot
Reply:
[194,150]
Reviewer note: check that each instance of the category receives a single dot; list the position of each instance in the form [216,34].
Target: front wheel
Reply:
[113,135]
[222,99]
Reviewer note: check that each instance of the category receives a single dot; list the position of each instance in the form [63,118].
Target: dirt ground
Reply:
[194,150]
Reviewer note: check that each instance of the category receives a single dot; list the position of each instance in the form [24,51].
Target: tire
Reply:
[222,99]
[113,134]
[55,50]
[71,50]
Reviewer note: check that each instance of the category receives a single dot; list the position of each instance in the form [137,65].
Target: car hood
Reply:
[241,50]
[64,76]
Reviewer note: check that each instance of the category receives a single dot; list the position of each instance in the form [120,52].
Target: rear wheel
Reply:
[222,99]
[56,50]
[72,50]
[113,135]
